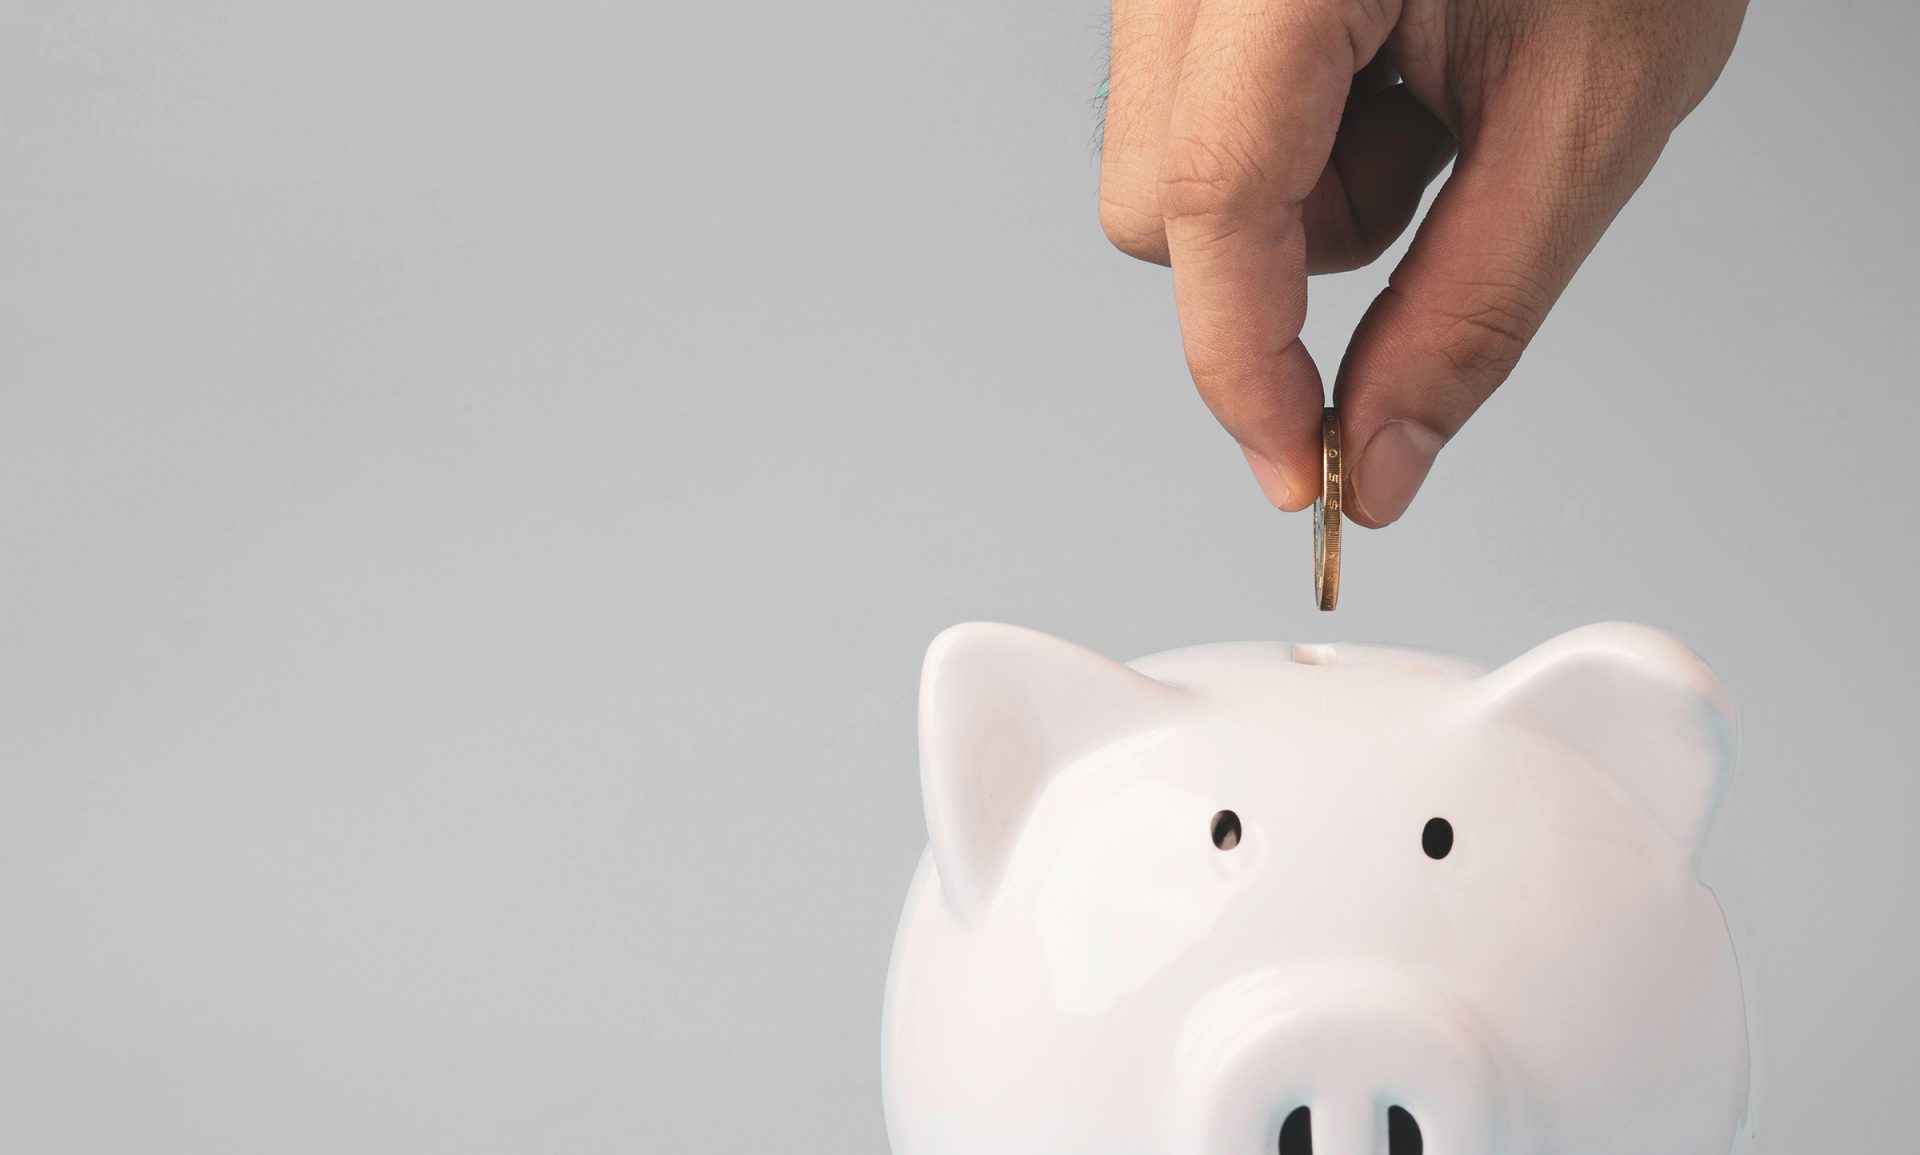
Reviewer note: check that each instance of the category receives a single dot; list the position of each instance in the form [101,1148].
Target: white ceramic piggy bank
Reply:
[1350,900]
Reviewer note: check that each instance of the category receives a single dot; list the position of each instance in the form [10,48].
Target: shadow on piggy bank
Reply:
[1351,900]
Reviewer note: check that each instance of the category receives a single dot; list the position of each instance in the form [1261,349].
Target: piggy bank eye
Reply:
[1437,838]
[1226,830]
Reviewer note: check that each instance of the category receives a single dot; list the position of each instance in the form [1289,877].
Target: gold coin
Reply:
[1326,515]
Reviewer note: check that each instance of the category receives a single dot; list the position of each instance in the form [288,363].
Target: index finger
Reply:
[1254,118]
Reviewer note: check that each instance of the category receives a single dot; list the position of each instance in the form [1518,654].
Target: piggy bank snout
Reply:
[1338,1068]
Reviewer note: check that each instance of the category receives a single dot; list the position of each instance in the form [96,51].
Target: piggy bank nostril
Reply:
[1403,1133]
[1296,1134]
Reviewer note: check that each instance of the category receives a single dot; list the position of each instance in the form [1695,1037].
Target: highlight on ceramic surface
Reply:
[1350,900]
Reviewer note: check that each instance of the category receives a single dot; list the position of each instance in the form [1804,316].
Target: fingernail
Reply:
[1391,469]
[1272,483]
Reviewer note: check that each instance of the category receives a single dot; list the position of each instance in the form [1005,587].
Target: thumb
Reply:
[1524,207]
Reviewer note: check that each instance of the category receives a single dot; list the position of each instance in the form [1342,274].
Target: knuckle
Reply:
[1361,20]
[1613,77]
[1617,106]
[1482,339]
[1220,372]
[1207,177]
[1211,366]
[1132,223]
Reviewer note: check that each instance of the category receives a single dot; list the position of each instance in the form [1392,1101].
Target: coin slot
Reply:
[1296,1134]
[1305,654]
[1437,838]
[1403,1133]
[1226,830]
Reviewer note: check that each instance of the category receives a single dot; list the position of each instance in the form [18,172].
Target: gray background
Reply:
[476,486]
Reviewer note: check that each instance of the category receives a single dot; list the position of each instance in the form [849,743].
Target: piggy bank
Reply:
[1252,899]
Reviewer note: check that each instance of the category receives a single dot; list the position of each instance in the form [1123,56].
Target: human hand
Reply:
[1252,142]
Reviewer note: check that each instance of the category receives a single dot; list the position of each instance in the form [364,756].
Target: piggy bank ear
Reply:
[1638,706]
[1002,710]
